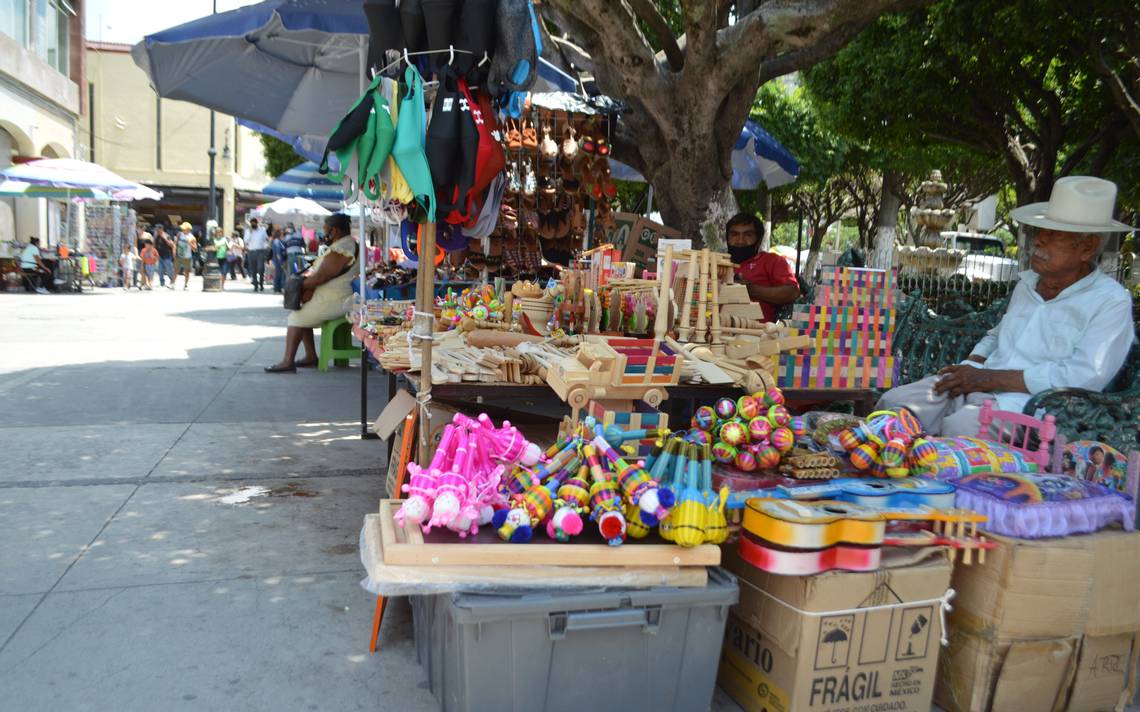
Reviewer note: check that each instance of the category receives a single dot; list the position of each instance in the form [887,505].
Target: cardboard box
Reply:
[777,659]
[979,674]
[1046,624]
[1051,588]
[637,237]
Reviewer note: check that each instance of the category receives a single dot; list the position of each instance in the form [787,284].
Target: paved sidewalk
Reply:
[128,581]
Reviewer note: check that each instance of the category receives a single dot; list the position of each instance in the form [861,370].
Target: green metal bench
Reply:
[925,342]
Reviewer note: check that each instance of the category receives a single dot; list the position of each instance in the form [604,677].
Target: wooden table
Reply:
[683,398]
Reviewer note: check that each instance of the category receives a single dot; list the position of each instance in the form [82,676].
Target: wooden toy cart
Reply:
[616,371]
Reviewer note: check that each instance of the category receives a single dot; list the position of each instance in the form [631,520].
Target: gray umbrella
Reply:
[288,64]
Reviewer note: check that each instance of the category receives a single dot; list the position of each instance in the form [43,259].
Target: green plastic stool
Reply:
[336,344]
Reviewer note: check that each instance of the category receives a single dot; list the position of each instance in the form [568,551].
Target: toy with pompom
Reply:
[636,484]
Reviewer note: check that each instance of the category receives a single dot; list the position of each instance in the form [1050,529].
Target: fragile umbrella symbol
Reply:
[833,636]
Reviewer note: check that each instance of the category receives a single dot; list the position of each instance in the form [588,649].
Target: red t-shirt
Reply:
[767,269]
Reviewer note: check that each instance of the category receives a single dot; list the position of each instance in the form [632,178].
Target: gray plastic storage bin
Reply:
[651,649]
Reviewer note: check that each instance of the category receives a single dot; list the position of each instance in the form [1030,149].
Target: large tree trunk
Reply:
[886,222]
[688,102]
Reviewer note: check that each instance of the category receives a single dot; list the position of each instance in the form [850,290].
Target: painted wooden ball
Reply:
[864,456]
[745,461]
[799,426]
[849,439]
[748,407]
[923,452]
[759,429]
[893,453]
[734,433]
[782,439]
[699,437]
[768,458]
[704,418]
[774,396]
[779,416]
[723,452]
[725,408]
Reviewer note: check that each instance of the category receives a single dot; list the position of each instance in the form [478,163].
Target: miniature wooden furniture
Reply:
[1010,429]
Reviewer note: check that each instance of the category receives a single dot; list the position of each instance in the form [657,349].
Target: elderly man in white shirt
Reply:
[1067,325]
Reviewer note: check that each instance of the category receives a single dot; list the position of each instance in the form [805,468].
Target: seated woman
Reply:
[327,284]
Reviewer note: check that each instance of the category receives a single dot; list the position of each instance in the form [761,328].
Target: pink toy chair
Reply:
[1016,430]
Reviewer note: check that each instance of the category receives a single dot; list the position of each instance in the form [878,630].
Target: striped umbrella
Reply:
[305,181]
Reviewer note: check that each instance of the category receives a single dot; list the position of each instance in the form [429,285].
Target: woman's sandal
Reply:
[312,363]
[529,138]
[280,369]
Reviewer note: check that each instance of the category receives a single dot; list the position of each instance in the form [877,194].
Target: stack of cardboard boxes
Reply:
[837,641]
[1048,624]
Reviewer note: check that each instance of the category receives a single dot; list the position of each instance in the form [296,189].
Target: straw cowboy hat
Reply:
[187,226]
[1077,204]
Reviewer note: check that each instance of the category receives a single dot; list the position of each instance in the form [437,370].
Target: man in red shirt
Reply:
[770,280]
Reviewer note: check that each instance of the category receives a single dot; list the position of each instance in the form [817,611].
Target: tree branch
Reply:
[700,33]
[1120,91]
[800,27]
[621,46]
[647,11]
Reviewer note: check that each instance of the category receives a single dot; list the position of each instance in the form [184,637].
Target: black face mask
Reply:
[742,253]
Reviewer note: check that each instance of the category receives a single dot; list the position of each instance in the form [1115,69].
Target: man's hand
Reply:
[960,380]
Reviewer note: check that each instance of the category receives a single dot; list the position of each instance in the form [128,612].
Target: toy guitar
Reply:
[795,562]
[820,524]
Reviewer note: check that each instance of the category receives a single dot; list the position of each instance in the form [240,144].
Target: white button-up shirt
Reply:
[1078,339]
[256,239]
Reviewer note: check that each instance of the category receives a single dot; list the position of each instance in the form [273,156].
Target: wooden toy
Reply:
[792,562]
[812,525]
[821,523]
[888,444]
[615,371]
[807,465]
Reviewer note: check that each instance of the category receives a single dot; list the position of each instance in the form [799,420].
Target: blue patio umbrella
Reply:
[305,181]
[756,158]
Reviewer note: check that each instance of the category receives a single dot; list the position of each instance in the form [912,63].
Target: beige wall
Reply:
[127,141]
[38,117]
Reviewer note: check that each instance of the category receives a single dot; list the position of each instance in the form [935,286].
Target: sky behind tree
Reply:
[128,21]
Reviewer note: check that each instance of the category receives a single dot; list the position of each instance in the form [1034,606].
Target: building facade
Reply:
[42,73]
[165,144]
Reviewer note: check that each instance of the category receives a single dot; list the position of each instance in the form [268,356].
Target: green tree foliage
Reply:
[997,79]
[279,156]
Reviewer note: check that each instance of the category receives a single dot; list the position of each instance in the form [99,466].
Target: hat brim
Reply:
[1034,214]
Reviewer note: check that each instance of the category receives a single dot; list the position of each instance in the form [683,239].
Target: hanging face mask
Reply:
[742,253]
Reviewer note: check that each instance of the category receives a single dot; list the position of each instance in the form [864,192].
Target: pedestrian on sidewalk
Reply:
[237,256]
[278,249]
[165,247]
[149,257]
[257,247]
[184,253]
[294,250]
[129,265]
[222,254]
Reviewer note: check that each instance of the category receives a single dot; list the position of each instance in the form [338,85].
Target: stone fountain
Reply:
[929,212]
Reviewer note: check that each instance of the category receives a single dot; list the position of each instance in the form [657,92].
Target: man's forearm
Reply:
[783,294]
[1004,381]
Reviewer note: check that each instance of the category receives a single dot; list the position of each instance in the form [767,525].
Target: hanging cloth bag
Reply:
[408,149]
